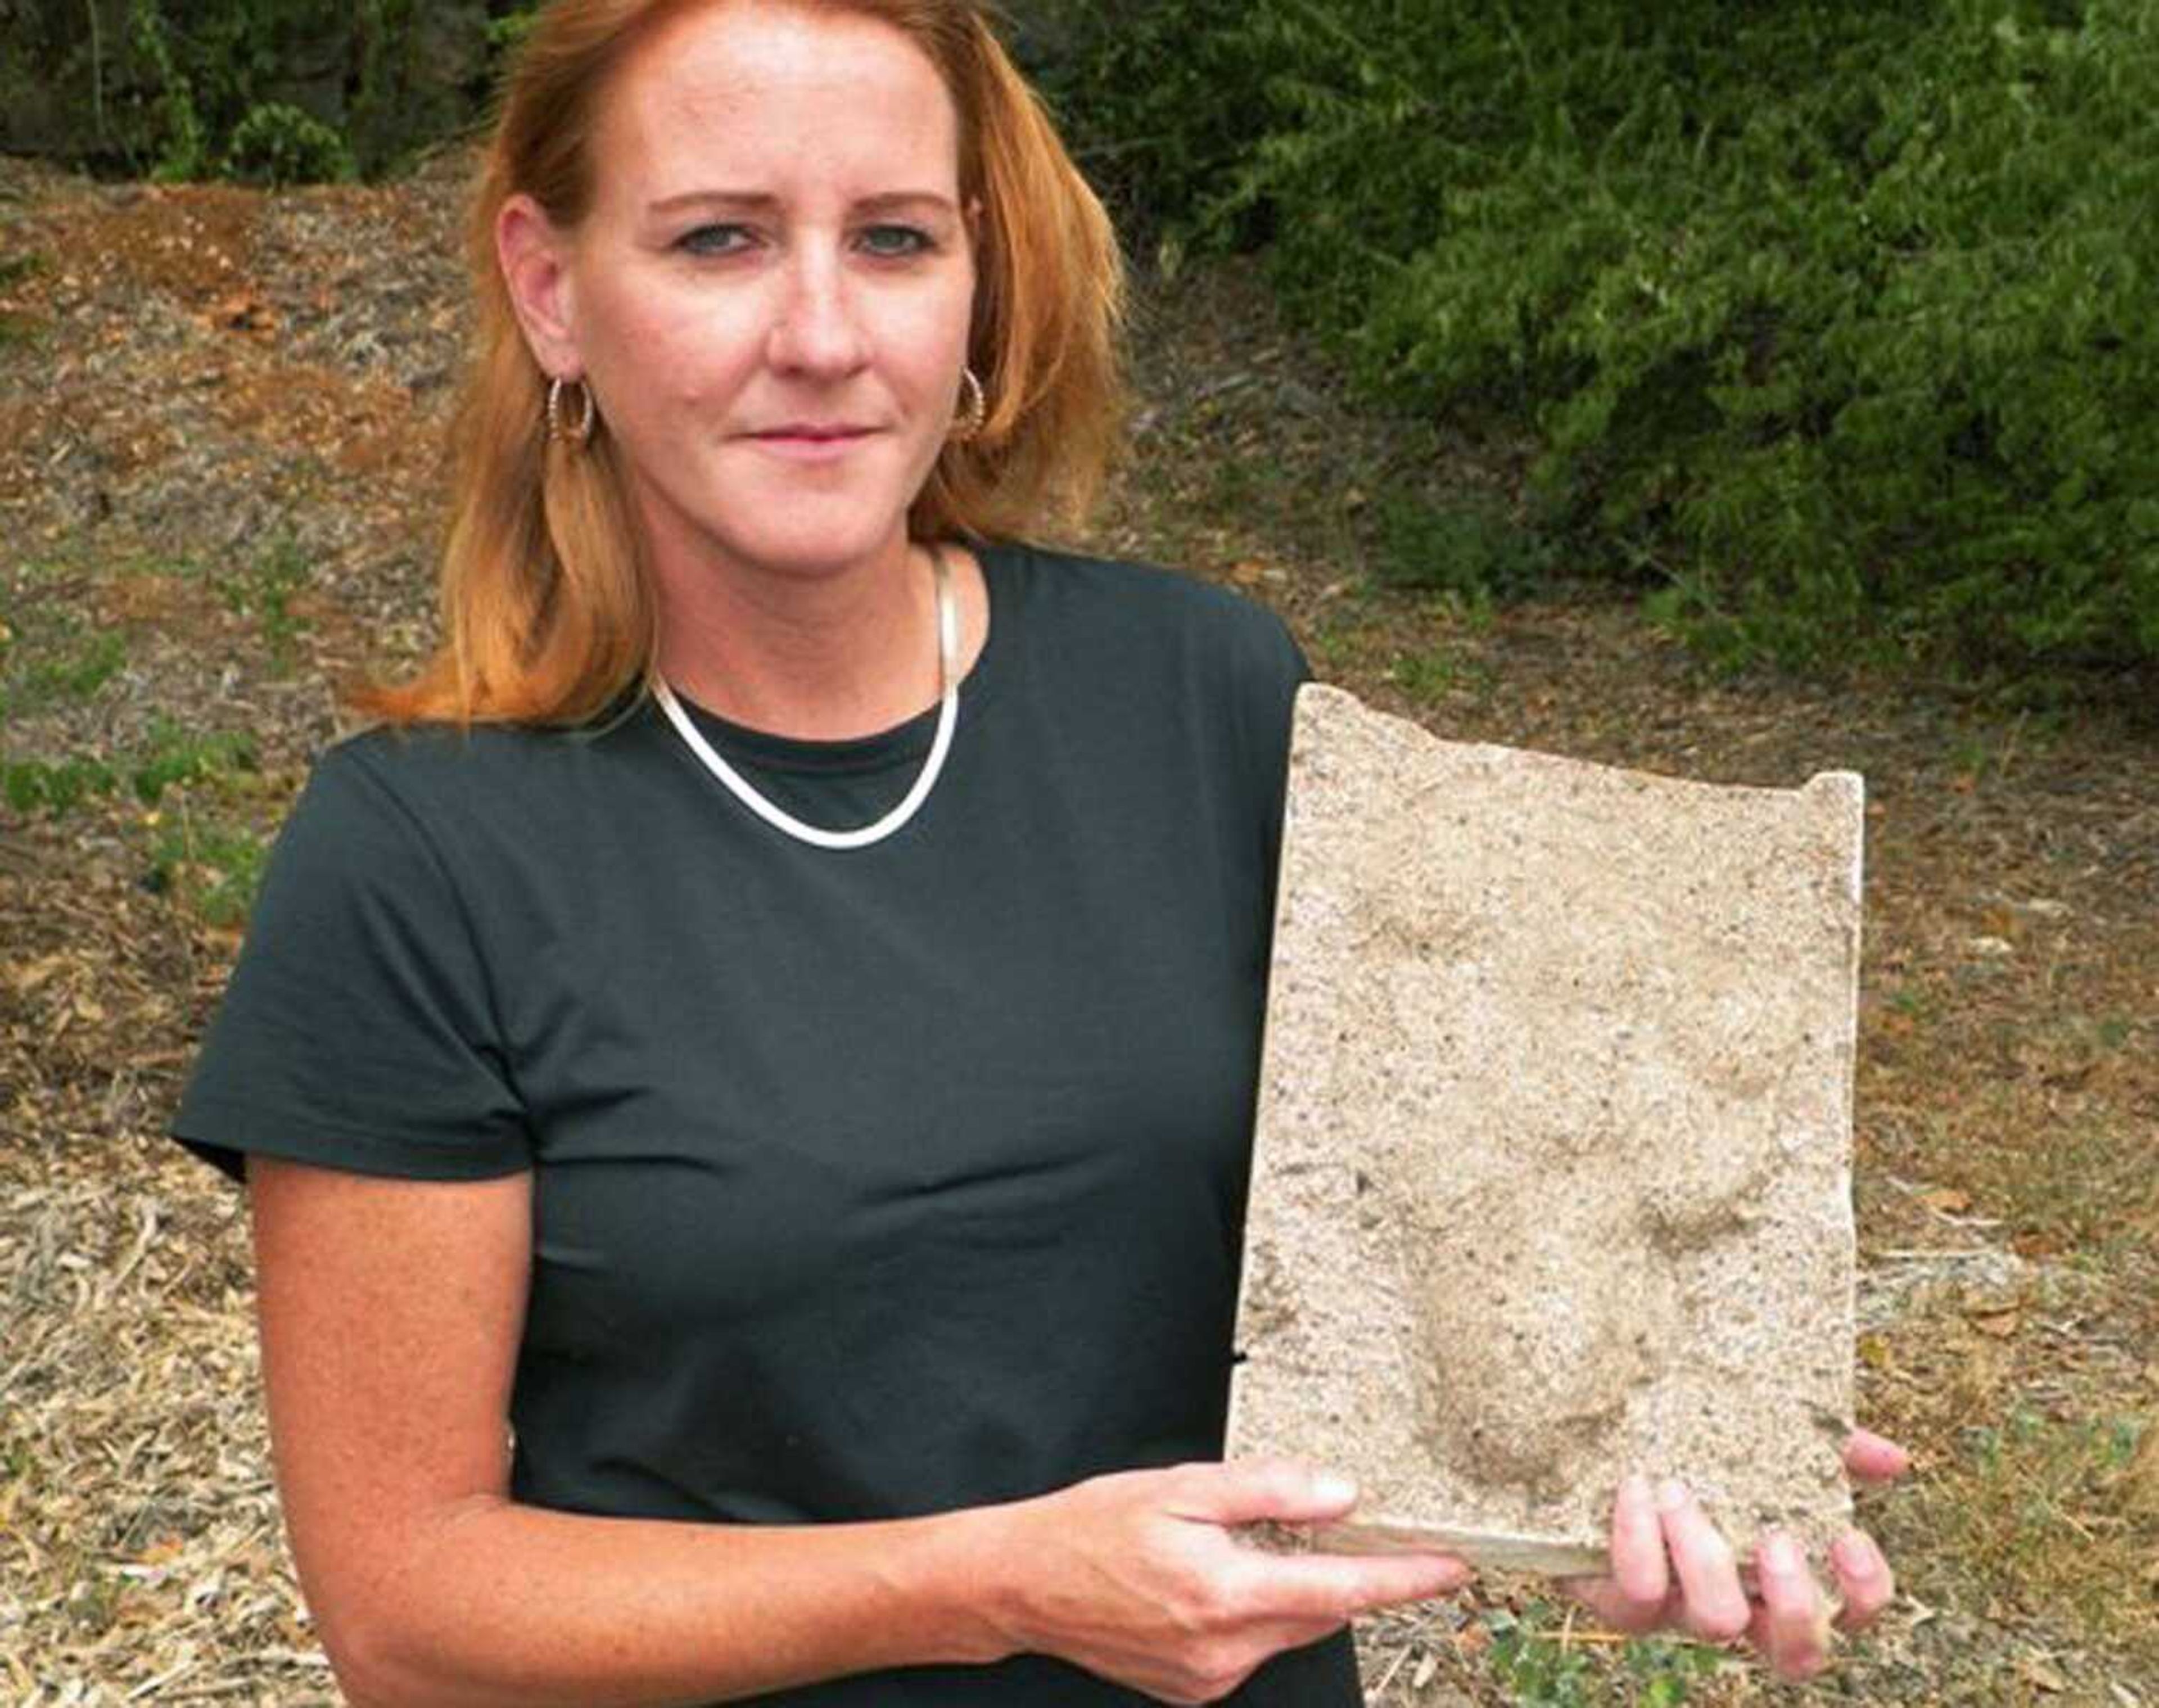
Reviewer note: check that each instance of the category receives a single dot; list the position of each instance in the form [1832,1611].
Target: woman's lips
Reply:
[811,444]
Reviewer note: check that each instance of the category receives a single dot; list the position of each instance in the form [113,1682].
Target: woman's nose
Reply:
[818,328]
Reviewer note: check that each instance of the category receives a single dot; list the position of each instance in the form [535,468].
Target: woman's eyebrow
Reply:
[905,201]
[756,201]
[748,200]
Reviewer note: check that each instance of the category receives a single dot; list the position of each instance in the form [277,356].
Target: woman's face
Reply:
[771,297]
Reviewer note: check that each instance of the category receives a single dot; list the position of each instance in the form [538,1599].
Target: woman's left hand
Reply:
[1672,1568]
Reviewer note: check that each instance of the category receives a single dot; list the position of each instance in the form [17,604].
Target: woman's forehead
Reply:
[758,91]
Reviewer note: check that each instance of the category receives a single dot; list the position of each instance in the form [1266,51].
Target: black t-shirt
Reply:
[867,1182]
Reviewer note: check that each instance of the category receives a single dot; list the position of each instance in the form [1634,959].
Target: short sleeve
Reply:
[358,1030]
[1271,667]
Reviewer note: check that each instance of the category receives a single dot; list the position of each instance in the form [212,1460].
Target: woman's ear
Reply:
[534,258]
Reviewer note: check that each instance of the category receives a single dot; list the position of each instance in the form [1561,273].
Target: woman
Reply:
[803,1098]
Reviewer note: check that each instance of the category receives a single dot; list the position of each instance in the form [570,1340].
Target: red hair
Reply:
[549,613]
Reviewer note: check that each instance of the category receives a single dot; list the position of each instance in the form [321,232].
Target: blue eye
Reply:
[713,240]
[893,242]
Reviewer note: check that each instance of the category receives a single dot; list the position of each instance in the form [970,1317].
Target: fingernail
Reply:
[1635,1487]
[1855,1552]
[1671,1494]
[1333,1489]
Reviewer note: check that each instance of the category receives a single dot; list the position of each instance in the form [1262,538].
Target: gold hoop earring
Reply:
[974,408]
[576,433]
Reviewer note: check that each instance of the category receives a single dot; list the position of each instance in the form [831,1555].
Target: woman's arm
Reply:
[391,1313]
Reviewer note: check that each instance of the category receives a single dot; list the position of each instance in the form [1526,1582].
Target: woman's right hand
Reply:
[1135,1576]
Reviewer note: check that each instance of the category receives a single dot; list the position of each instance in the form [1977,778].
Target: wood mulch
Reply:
[220,468]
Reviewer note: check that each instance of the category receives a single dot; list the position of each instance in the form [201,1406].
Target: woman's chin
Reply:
[812,552]
[799,533]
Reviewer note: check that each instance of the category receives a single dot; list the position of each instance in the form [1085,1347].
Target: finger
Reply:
[1603,1597]
[1792,1627]
[1873,1458]
[1340,1586]
[1640,1569]
[1715,1606]
[1634,1597]
[1253,1490]
[1863,1579]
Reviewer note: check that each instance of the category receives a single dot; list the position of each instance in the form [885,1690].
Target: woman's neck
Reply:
[824,657]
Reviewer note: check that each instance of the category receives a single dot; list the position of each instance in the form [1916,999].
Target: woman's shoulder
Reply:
[431,756]
[1126,583]
[486,783]
[1130,601]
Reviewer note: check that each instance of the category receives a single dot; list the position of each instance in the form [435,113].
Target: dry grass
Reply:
[202,390]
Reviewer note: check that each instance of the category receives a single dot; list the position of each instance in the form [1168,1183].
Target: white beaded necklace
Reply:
[947,687]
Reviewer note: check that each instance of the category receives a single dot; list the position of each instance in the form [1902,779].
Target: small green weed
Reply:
[1350,636]
[1431,674]
[263,591]
[1468,546]
[1911,1002]
[46,567]
[56,786]
[1331,649]
[1688,608]
[1435,673]
[1534,1665]
[1988,751]
[176,758]
[1539,1664]
[1970,756]
[2030,1509]
[77,674]
[14,269]
[172,759]
[1250,487]
[1662,1671]
[212,868]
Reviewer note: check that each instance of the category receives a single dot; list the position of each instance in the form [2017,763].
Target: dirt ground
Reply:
[220,464]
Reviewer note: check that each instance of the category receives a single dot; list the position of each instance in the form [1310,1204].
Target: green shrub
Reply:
[1831,321]
[1468,546]
[507,34]
[278,144]
[280,91]
[182,153]
[1157,101]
